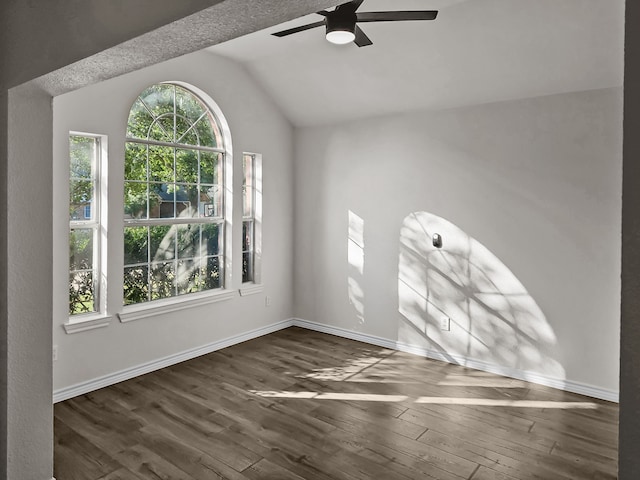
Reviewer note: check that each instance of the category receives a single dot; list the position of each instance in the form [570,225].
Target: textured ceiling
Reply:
[476,51]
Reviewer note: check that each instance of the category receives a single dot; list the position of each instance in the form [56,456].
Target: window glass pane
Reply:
[187,201]
[162,242]
[185,133]
[160,164]
[82,153]
[188,105]
[190,276]
[81,249]
[140,120]
[136,245]
[211,239]
[81,293]
[163,280]
[211,201]
[187,166]
[210,168]
[161,200]
[207,132]
[160,131]
[159,98]
[188,241]
[190,137]
[247,186]
[247,235]
[136,284]
[80,195]
[135,200]
[135,162]
[247,267]
[212,273]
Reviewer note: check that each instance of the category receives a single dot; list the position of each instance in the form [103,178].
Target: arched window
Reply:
[174,217]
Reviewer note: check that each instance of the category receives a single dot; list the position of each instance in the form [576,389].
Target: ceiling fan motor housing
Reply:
[341,22]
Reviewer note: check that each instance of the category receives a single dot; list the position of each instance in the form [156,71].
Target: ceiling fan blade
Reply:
[299,29]
[350,7]
[361,39]
[395,16]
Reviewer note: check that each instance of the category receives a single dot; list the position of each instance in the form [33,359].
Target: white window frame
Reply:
[151,308]
[99,318]
[254,285]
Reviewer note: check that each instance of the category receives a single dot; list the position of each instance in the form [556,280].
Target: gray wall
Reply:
[19,59]
[527,196]
[256,126]
[37,38]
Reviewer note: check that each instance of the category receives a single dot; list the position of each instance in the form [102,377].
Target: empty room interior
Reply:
[395,260]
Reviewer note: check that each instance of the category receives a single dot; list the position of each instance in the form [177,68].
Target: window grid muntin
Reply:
[92,224]
[218,170]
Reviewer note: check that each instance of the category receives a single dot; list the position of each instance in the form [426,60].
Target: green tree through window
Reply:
[173,196]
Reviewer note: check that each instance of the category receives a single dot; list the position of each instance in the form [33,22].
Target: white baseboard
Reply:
[113,378]
[533,377]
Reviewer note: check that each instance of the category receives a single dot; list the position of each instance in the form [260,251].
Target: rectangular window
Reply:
[84,223]
[251,217]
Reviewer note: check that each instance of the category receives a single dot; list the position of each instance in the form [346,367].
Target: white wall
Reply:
[256,126]
[527,196]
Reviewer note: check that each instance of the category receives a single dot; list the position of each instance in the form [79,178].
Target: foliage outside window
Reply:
[173,196]
[84,224]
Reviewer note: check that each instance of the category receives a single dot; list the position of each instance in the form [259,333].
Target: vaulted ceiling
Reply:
[476,51]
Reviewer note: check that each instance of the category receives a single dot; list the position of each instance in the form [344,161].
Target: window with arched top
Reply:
[174,195]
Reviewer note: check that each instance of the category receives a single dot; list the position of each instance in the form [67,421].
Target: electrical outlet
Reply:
[267,301]
[55,352]
[445,324]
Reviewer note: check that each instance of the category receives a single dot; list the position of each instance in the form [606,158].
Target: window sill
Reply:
[159,307]
[251,289]
[87,324]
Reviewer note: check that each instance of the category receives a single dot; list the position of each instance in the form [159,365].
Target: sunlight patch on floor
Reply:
[488,402]
[368,397]
[365,397]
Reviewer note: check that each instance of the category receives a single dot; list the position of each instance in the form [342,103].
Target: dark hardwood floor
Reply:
[299,404]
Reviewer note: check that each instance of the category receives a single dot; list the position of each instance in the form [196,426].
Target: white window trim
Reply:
[90,322]
[139,311]
[151,308]
[250,288]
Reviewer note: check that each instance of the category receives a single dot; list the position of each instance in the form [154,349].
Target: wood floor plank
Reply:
[149,465]
[121,474]
[265,470]
[76,458]
[298,404]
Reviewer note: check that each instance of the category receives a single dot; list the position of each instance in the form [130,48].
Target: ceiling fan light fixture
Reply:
[340,37]
[341,29]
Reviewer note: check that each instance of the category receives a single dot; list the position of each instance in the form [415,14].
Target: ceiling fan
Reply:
[341,23]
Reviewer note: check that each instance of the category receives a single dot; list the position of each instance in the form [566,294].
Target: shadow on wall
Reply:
[493,319]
